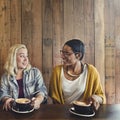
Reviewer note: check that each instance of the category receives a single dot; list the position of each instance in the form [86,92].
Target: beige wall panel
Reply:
[45,25]
[47,43]
[109,42]
[15,22]
[4,31]
[99,38]
[58,25]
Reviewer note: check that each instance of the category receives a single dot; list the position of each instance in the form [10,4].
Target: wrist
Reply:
[39,98]
[4,99]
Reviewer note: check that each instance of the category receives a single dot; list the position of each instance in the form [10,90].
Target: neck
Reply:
[19,74]
[75,70]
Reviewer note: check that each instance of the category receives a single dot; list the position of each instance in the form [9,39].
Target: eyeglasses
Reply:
[65,53]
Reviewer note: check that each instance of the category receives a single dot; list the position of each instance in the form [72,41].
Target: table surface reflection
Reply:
[61,112]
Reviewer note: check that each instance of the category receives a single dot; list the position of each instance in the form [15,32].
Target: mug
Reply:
[22,104]
[82,107]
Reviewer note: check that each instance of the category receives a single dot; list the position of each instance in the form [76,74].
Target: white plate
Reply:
[14,110]
[72,110]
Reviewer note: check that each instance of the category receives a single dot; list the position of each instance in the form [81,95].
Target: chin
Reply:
[23,67]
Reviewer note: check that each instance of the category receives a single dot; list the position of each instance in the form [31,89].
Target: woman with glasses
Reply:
[21,80]
[75,80]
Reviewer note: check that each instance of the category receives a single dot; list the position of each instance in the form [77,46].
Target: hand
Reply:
[94,102]
[7,104]
[36,102]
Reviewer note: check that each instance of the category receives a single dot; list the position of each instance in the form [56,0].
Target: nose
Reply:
[62,56]
[25,58]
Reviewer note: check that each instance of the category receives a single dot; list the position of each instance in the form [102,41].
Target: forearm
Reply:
[4,99]
[97,98]
[39,97]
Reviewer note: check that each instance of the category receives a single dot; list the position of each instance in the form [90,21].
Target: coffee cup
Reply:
[82,107]
[23,104]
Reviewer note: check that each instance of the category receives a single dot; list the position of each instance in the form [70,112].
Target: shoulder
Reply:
[34,70]
[57,68]
[91,68]
[92,71]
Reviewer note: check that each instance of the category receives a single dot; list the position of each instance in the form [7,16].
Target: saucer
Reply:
[72,110]
[14,109]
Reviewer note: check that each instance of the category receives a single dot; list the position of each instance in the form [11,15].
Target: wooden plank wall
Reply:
[112,50]
[44,26]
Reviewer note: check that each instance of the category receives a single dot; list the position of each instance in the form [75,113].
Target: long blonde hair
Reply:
[11,63]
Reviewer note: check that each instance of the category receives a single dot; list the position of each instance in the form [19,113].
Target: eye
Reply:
[23,56]
[66,53]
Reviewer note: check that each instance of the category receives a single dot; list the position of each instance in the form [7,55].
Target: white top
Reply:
[73,90]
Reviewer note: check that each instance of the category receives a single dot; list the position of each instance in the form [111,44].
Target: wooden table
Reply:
[61,112]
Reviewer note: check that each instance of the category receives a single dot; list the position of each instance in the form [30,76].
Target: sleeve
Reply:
[40,87]
[93,85]
[55,89]
[5,90]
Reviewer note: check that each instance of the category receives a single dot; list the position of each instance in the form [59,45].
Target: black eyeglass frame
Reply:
[67,53]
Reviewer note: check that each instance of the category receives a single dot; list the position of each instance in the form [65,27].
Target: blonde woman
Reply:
[20,80]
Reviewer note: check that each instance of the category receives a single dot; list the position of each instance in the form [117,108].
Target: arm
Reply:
[55,87]
[94,88]
[40,93]
[5,93]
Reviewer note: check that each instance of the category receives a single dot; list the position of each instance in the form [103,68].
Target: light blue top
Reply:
[33,84]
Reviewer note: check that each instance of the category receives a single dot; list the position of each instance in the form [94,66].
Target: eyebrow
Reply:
[21,53]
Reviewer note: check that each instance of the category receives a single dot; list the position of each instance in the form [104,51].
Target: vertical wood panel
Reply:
[58,32]
[47,40]
[68,19]
[110,51]
[15,20]
[27,25]
[117,50]
[32,30]
[36,42]
[78,22]
[4,31]
[89,31]
[99,38]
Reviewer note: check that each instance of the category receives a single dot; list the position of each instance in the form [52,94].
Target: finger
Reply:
[36,106]
[9,106]
[96,105]
[5,107]
[33,99]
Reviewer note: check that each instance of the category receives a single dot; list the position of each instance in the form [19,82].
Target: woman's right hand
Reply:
[7,104]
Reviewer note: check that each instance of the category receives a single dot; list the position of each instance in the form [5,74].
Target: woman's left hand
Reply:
[96,104]
[36,101]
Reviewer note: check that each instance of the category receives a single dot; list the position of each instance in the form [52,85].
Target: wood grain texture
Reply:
[4,31]
[110,51]
[117,50]
[58,26]
[45,25]
[47,43]
[15,22]
[99,38]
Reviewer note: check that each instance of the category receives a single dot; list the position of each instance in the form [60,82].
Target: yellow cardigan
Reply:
[93,85]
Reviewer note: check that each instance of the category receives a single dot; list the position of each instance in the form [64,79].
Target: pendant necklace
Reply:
[75,75]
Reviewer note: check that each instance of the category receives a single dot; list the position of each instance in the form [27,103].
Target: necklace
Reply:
[75,75]
[72,75]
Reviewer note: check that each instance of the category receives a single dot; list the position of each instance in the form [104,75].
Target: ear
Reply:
[77,55]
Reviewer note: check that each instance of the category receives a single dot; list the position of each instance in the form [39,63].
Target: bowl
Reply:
[22,104]
[82,107]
